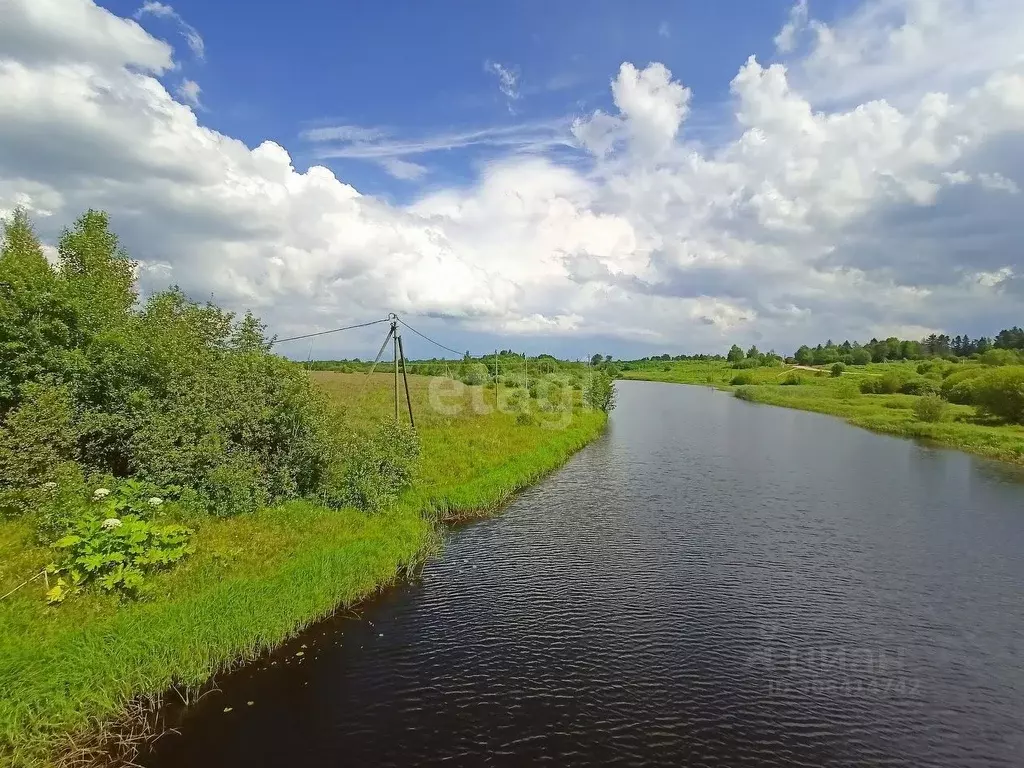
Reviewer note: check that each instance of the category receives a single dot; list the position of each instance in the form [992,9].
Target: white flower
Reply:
[99,493]
[49,485]
[155,501]
[111,522]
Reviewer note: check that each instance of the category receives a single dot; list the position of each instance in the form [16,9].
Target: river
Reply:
[713,583]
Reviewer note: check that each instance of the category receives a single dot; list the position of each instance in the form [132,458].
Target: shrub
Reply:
[235,485]
[930,408]
[920,386]
[1000,393]
[474,374]
[871,386]
[792,379]
[37,444]
[748,362]
[370,470]
[888,383]
[960,387]
[837,369]
[513,380]
[742,379]
[860,356]
[525,419]
[600,392]
[169,392]
[1000,357]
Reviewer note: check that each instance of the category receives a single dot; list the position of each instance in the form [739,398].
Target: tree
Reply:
[596,360]
[754,353]
[804,356]
[735,354]
[97,274]
[860,356]
[36,321]
[1012,338]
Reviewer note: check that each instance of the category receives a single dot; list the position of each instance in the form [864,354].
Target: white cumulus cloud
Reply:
[890,204]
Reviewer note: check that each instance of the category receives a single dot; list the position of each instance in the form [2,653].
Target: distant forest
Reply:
[874,351]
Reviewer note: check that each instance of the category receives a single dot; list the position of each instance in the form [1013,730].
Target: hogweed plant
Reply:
[113,547]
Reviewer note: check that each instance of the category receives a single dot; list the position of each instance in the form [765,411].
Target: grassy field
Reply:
[68,671]
[840,396]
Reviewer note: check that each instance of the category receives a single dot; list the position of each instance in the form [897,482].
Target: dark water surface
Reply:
[713,583]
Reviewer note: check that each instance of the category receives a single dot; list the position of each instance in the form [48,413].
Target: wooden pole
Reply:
[405,378]
[394,328]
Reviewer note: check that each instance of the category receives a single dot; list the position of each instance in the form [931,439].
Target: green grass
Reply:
[820,392]
[254,580]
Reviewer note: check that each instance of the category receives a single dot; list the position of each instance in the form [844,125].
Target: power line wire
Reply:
[333,330]
[437,343]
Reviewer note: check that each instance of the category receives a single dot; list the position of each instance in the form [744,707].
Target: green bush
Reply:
[474,374]
[930,408]
[888,383]
[38,441]
[1000,393]
[960,387]
[871,386]
[600,392]
[742,379]
[746,363]
[860,356]
[792,379]
[167,392]
[369,470]
[1000,357]
[920,386]
[837,369]
[525,419]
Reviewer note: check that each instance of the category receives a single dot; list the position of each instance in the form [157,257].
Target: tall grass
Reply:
[254,580]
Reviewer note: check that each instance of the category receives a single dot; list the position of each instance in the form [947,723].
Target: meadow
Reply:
[70,672]
[815,389]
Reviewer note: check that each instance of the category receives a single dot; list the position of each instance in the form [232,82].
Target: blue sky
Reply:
[420,69]
[634,178]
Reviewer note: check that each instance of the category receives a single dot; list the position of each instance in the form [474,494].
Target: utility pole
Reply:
[405,378]
[394,341]
[495,379]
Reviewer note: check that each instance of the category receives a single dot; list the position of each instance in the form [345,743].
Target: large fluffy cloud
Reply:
[889,203]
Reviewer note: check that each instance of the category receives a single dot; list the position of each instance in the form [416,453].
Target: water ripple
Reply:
[713,584]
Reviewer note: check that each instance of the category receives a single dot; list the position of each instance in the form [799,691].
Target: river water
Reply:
[712,583]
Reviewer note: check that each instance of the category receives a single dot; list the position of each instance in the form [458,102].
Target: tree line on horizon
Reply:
[873,351]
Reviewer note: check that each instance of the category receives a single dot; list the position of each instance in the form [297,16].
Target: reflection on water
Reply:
[713,583]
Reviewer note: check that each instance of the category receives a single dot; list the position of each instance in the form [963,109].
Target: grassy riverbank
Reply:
[254,579]
[960,427]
